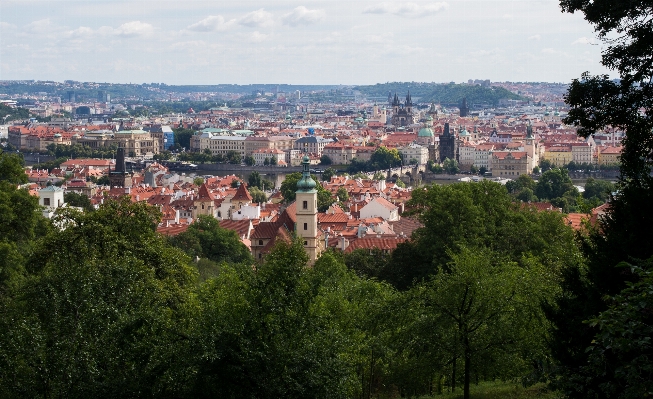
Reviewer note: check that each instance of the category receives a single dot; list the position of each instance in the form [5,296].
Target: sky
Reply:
[351,42]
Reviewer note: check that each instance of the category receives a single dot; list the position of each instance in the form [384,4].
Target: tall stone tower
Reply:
[448,144]
[306,211]
[119,177]
[464,109]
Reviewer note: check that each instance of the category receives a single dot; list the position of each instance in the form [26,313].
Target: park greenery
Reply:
[99,304]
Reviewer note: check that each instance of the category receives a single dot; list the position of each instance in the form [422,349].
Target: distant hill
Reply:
[446,94]
[12,113]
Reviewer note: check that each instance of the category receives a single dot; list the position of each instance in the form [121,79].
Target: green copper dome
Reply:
[425,132]
[306,183]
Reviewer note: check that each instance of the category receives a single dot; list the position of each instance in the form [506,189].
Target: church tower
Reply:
[306,212]
[409,104]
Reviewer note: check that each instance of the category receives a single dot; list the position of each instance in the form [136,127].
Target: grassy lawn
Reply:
[501,390]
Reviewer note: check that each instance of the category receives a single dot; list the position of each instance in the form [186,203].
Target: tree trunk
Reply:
[453,375]
[468,363]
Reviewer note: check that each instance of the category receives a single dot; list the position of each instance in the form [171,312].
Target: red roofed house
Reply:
[380,207]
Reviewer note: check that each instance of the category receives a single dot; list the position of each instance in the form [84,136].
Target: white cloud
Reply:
[257,37]
[507,16]
[302,16]
[7,26]
[212,23]
[40,26]
[19,46]
[534,37]
[134,29]
[407,9]
[82,32]
[257,19]
[403,50]
[583,40]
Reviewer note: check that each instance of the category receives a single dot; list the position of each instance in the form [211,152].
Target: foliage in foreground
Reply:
[99,305]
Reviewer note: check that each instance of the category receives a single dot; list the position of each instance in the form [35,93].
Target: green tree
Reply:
[554,183]
[289,186]
[325,160]
[487,310]
[104,180]
[481,215]
[198,181]
[328,173]
[255,180]
[258,196]
[206,239]
[385,158]
[250,161]
[266,161]
[273,161]
[599,103]
[99,315]
[162,156]
[450,166]
[80,200]
[545,165]
[267,185]
[526,195]
[183,137]
[621,351]
[600,189]
[522,182]
[12,168]
[342,194]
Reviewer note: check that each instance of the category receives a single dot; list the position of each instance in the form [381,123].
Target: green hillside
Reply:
[12,113]
[448,93]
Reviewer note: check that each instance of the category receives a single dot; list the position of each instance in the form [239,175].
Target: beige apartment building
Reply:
[510,164]
[219,144]
[253,143]
[135,142]
[340,154]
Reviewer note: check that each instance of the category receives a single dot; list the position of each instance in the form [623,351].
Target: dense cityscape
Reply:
[407,239]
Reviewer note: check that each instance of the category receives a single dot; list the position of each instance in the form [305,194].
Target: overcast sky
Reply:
[294,42]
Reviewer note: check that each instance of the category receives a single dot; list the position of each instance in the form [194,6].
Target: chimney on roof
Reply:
[344,243]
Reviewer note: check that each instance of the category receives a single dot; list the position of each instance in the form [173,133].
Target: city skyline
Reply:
[309,42]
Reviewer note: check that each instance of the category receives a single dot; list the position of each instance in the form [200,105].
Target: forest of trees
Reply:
[99,304]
